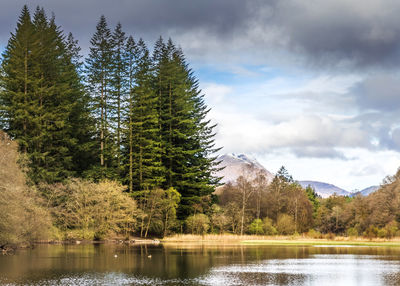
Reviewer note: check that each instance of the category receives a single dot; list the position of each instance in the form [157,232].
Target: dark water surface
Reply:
[201,265]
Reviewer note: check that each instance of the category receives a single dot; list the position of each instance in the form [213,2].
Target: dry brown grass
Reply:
[234,238]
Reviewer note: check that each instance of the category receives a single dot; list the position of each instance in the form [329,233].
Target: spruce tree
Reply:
[187,136]
[83,123]
[99,71]
[147,170]
[40,92]
[17,81]
[118,85]
[131,57]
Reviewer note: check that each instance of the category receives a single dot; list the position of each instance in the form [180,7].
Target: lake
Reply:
[197,264]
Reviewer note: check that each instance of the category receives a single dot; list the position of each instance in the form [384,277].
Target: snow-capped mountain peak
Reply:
[236,165]
[244,158]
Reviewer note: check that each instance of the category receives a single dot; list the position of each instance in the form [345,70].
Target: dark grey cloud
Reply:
[380,92]
[142,18]
[327,33]
[340,32]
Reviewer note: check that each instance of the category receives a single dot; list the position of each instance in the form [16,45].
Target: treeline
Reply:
[124,113]
[284,207]
[255,206]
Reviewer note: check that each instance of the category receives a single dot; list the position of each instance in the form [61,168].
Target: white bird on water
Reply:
[149,256]
[115,256]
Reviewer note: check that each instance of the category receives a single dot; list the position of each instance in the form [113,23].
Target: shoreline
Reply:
[226,239]
[281,240]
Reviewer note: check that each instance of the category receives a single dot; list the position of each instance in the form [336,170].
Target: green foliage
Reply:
[371,232]
[157,210]
[186,135]
[352,231]
[198,224]
[98,69]
[170,203]
[143,142]
[41,98]
[256,227]
[141,120]
[268,227]
[391,229]
[283,175]
[92,210]
[314,233]
[313,197]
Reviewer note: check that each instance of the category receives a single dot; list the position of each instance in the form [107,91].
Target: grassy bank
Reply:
[280,240]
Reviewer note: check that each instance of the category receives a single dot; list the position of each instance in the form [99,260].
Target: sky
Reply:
[311,85]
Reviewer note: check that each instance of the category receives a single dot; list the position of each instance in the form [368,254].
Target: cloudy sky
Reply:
[311,85]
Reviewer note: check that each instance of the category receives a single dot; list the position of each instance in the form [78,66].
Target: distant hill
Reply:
[240,164]
[365,192]
[323,189]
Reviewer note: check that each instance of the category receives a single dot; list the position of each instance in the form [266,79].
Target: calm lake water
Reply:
[201,265]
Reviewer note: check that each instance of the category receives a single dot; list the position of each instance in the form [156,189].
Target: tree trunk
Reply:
[102,128]
[170,136]
[25,96]
[243,209]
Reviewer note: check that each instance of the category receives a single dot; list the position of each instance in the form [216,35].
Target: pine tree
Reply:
[17,81]
[147,170]
[118,85]
[41,91]
[83,124]
[99,71]
[187,136]
[131,56]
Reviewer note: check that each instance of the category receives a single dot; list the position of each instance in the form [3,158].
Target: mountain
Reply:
[323,189]
[365,192]
[240,164]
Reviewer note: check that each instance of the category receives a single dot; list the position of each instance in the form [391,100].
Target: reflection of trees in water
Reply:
[170,261]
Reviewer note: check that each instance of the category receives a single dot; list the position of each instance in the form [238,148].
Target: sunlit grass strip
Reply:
[214,237]
[321,242]
[279,240]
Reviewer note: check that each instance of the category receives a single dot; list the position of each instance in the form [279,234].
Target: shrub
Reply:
[381,233]
[329,236]
[256,227]
[22,219]
[198,224]
[352,231]
[268,227]
[285,224]
[371,232]
[314,233]
[391,229]
[87,210]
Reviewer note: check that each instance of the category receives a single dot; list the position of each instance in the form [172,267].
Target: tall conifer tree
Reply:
[17,81]
[131,57]
[99,72]
[40,92]
[146,166]
[83,123]
[187,136]
[118,85]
